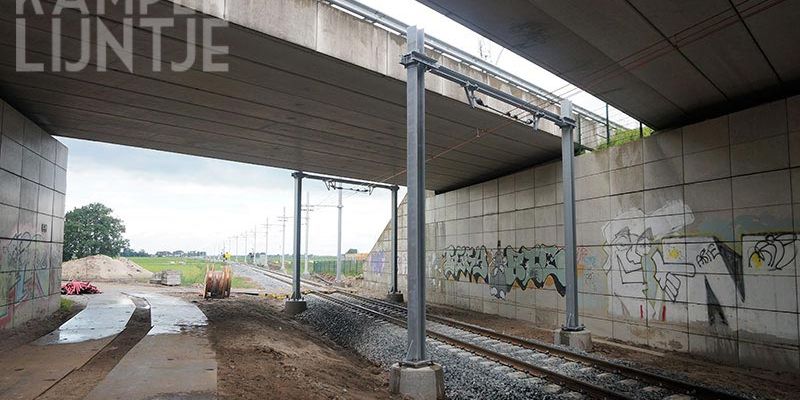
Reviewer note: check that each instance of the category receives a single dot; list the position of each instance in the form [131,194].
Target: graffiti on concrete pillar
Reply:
[669,274]
[648,264]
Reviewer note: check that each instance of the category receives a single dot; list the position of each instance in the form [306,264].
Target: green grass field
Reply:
[193,271]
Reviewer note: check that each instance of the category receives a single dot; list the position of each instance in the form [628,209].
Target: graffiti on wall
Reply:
[652,263]
[503,269]
[774,252]
[376,261]
[19,261]
[648,262]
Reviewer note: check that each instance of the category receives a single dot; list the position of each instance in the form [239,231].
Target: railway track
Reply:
[555,364]
[288,279]
[597,378]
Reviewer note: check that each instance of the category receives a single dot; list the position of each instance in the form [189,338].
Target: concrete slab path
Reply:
[174,361]
[32,369]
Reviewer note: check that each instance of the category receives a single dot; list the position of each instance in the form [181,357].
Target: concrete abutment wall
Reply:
[688,241]
[32,189]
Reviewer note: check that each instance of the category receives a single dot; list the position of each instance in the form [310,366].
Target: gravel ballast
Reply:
[467,376]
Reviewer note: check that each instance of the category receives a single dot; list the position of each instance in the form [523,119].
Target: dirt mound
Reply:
[104,268]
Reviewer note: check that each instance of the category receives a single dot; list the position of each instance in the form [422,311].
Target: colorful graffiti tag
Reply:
[18,258]
[502,269]
[648,262]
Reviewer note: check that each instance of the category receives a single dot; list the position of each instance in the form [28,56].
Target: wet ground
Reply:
[127,343]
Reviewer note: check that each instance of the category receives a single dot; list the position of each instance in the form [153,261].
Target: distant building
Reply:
[178,253]
[163,254]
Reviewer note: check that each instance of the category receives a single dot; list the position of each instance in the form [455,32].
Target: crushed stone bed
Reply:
[467,376]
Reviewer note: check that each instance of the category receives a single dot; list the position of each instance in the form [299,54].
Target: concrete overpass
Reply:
[309,87]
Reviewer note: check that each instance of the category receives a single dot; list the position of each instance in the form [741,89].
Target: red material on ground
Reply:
[78,287]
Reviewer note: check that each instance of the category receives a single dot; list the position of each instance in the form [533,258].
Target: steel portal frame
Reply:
[417,64]
[299,176]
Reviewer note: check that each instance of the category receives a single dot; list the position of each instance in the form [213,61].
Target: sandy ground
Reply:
[761,383]
[103,269]
[263,353]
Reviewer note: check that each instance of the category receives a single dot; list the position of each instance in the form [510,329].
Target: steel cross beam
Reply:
[345,181]
[417,64]
[472,86]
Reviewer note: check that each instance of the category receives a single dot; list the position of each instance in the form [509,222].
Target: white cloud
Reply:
[171,201]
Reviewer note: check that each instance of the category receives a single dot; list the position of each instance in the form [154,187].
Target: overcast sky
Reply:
[171,201]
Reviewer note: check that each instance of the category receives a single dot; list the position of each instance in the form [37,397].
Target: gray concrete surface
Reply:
[294,307]
[175,360]
[581,340]
[33,182]
[424,383]
[309,87]
[666,63]
[30,370]
[105,315]
[687,241]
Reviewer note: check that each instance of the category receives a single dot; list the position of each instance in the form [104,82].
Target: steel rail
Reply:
[676,385]
[564,380]
[288,279]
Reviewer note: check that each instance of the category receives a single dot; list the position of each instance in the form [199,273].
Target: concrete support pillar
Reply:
[394,292]
[416,376]
[296,304]
[572,333]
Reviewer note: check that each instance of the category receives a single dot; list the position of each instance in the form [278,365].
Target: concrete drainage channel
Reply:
[480,363]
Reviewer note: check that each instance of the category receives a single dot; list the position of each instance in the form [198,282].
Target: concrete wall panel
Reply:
[30,236]
[707,165]
[760,155]
[706,135]
[683,243]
